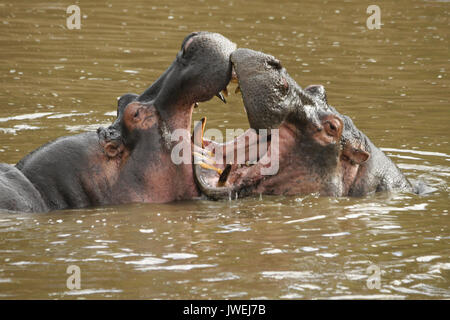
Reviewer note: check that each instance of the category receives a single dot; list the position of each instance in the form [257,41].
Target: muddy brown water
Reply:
[393,82]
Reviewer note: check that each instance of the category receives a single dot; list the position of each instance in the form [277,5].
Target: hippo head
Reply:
[311,149]
[135,121]
[268,92]
[200,71]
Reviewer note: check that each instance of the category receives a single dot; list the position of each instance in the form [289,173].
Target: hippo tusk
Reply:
[197,136]
[199,157]
[215,193]
[225,92]
[204,158]
[211,192]
[209,167]
[224,175]
[221,97]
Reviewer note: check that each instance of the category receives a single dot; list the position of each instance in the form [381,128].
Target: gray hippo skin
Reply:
[130,160]
[17,193]
[320,150]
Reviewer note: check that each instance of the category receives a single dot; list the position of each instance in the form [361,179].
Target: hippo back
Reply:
[17,193]
[58,170]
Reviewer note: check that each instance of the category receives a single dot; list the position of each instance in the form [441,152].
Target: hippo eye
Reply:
[331,125]
[136,114]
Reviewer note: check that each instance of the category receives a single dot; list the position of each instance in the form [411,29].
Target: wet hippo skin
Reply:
[318,149]
[130,160]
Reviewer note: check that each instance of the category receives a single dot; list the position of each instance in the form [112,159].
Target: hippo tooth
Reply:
[225,92]
[196,105]
[221,97]
[204,158]
[249,163]
[210,167]
[234,78]
[224,175]
[238,89]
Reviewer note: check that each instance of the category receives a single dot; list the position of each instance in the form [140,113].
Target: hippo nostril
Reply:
[188,40]
[285,84]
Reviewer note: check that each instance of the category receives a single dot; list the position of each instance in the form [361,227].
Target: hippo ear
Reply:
[317,91]
[112,148]
[124,101]
[356,155]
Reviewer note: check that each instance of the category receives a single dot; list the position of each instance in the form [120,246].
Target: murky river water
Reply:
[393,82]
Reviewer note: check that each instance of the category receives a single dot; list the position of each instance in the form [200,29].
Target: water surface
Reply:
[393,82]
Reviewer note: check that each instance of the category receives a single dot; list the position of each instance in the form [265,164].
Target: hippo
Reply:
[318,150]
[17,193]
[130,161]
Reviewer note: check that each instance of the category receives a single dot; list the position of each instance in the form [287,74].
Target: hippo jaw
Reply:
[305,155]
[308,144]
[142,142]
[265,88]
[200,71]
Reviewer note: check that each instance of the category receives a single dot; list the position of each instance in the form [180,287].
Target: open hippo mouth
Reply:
[294,144]
[145,140]
[200,71]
